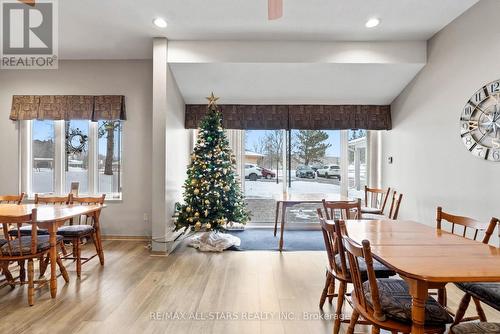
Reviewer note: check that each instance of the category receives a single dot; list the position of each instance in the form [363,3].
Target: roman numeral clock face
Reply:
[480,123]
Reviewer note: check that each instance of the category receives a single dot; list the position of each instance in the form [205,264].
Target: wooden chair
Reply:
[88,227]
[393,212]
[26,248]
[384,302]
[375,200]
[337,268]
[12,199]
[8,199]
[488,293]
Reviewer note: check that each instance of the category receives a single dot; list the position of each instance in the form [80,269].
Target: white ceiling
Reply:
[332,74]
[294,83]
[122,29]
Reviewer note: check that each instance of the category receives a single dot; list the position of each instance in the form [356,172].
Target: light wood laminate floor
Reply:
[122,296]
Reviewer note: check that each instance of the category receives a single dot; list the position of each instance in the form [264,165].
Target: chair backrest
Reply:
[87,201]
[376,198]
[54,200]
[12,199]
[342,209]
[395,203]
[8,249]
[329,237]
[467,223]
[354,252]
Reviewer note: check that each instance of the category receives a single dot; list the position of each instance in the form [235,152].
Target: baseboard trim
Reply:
[126,238]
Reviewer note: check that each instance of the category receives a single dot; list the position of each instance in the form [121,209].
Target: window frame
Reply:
[26,160]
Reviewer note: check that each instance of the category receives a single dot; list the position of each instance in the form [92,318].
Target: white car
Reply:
[252,172]
[329,171]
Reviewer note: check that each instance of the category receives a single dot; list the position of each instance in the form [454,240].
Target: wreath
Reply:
[76,141]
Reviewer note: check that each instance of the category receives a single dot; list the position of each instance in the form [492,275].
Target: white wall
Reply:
[130,78]
[178,146]
[431,165]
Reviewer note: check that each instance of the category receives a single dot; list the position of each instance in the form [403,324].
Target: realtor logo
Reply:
[29,34]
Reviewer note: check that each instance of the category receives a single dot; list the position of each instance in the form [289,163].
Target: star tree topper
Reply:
[212,100]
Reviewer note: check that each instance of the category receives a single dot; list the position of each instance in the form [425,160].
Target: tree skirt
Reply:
[213,242]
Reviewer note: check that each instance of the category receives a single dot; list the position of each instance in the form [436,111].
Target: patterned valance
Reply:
[302,117]
[67,107]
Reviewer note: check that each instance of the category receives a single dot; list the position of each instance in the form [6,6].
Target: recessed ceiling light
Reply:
[160,23]
[372,23]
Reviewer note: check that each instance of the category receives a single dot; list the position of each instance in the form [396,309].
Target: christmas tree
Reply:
[212,195]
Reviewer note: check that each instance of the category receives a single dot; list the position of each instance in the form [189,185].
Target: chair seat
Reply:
[365,209]
[379,268]
[24,244]
[395,300]
[476,328]
[26,231]
[373,216]
[488,293]
[75,230]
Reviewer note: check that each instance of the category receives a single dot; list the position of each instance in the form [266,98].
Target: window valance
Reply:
[302,117]
[67,107]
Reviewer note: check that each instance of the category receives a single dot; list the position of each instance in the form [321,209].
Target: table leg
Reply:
[97,227]
[53,259]
[419,293]
[276,217]
[282,227]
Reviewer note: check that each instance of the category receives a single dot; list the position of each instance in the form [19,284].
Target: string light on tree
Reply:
[212,195]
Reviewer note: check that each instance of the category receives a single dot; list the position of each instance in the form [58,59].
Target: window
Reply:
[263,172]
[109,156]
[357,157]
[76,162]
[63,152]
[302,162]
[43,156]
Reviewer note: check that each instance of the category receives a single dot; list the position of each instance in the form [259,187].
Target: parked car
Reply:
[329,171]
[304,172]
[252,172]
[316,167]
[267,173]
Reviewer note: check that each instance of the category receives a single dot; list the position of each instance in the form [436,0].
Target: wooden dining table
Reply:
[50,217]
[288,200]
[426,258]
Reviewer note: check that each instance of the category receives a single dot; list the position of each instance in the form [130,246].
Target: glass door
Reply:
[263,169]
[314,168]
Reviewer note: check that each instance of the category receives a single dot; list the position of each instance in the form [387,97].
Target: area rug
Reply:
[264,239]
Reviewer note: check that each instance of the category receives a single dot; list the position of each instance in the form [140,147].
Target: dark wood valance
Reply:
[67,107]
[302,117]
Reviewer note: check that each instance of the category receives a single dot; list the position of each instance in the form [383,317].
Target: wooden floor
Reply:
[138,293]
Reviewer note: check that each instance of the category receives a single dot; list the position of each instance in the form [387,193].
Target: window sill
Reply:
[110,198]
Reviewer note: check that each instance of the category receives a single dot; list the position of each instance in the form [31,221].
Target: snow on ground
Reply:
[43,180]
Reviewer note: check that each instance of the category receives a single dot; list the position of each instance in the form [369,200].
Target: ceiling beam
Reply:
[403,52]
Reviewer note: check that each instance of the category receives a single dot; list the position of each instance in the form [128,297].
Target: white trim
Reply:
[93,154]
[59,157]
[344,162]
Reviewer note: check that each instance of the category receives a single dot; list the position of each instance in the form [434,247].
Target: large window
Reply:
[263,172]
[62,153]
[302,162]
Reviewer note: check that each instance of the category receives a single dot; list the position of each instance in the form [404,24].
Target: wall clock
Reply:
[480,122]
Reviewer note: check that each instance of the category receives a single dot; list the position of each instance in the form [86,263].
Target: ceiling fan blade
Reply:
[275,9]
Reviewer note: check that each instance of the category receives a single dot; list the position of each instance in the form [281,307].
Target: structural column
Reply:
[158,162]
